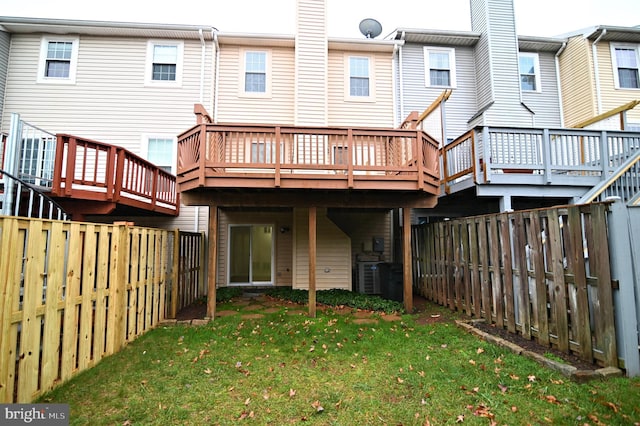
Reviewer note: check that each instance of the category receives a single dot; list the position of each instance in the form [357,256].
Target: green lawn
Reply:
[290,369]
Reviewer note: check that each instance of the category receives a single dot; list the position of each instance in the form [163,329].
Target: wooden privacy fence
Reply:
[73,293]
[544,274]
[189,270]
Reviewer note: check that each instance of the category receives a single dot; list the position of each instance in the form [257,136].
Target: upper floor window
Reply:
[58,60]
[164,63]
[358,76]
[440,66]
[625,66]
[529,72]
[255,79]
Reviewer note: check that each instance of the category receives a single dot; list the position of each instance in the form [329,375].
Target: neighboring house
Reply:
[600,73]
[125,84]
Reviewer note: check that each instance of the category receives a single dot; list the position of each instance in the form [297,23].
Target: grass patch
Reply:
[329,370]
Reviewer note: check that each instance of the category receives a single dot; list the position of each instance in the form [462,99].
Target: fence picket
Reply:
[497,299]
[507,265]
[485,281]
[520,253]
[559,300]
[539,275]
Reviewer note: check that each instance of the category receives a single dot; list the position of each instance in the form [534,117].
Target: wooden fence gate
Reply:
[542,273]
[73,293]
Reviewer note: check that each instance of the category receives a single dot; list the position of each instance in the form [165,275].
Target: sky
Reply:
[543,18]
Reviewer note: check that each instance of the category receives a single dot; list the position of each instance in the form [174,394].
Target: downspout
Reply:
[558,82]
[215,75]
[401,80]
[596,73]
[203,53]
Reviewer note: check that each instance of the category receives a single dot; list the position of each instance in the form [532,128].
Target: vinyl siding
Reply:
[612,97]
[333,259]
[283,241]
[461,104]
[576,77]
[546,102]
[311,64]
[275,109]
[497,50]
[362,226]
[348,112]
[109,102]
[5,44]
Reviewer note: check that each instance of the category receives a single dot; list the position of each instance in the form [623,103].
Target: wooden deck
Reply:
[286,159]
[91,177]
[498,156]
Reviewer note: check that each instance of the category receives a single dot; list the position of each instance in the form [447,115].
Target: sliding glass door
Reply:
[251,254]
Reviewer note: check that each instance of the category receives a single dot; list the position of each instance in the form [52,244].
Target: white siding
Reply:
[109,101]
[311,64]
[333,259]
[362,226]
[546,102]
[5,43]
[461,104]
[278,108]
[366,113]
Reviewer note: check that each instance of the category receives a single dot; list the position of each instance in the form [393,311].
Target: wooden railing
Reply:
[307,157]
[538,156]
[96,171]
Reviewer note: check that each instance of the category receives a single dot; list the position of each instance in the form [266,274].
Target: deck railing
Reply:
[547,156]
[97,171]
[284,156]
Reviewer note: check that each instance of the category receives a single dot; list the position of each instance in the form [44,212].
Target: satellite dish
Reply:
[370,28]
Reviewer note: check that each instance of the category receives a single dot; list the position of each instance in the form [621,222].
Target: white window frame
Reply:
[452,65]
[148,73]
[144,150]
[614,62]
[536,70]
[347,79]
[73,66]
[243,70]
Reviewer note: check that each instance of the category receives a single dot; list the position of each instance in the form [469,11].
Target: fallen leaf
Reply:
[514,409]
[460,418]
[531,378]
[613,406]
[317,406]
[472,362]
[421,373]
[552,399]
[247,401]
[503,388]
[292,393]
[514,377]
[207,371]
[400,380]
[479,351]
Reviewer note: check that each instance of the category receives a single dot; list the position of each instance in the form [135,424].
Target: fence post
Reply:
[175,273]
[121,264]
[622,264]
[9,268]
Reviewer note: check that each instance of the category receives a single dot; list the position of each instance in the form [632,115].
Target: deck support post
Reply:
[312,260]
[212,262]
[407,260]
[505,203]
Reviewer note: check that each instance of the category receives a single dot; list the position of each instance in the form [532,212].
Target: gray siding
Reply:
[497,50]
[5,44]
[461,104]
[546,103]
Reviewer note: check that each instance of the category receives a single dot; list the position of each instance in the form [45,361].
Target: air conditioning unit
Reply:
[368,278]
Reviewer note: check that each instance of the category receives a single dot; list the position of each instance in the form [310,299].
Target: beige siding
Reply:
[333,253]
[283,240]
[109,101]
[277,108]
[361,227]
[347,112]
[311,64]
[576,79]
[610,96]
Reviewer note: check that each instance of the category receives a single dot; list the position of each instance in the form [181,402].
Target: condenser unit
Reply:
[368,278]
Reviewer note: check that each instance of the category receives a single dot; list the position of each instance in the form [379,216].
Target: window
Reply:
[58,60]
[439,64]
[625,65]
[255,72]
[358,76]
[161,152]
[164,63]
[529,74]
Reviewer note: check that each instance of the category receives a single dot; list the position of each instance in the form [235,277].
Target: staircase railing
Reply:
[28,200]
[623,183]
